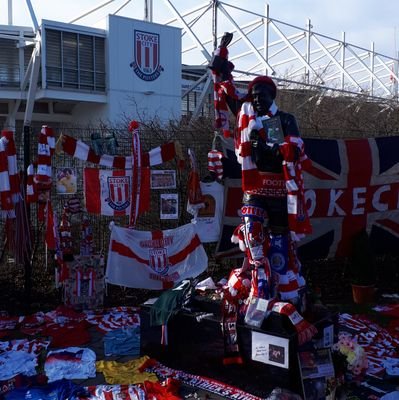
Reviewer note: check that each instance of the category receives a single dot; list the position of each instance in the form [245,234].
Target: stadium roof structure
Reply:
[296,57]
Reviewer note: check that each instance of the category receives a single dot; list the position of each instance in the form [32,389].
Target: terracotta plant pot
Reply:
[363,294]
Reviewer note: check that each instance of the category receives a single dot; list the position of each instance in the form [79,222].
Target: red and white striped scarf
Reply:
[80,150]
[305,330]
[298,219]
[215,164]
[247,121]
[219,388]
[136,173]
[38,185]
[221,89]
[45,151]
[158,155]
[114,318]
[31,194]
[35,346]
[9,179]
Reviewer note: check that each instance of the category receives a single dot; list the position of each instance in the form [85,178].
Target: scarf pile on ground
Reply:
[222,389]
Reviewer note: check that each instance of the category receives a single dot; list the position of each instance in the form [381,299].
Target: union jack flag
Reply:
[353,184]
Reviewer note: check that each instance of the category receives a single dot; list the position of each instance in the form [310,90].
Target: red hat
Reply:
[263,80]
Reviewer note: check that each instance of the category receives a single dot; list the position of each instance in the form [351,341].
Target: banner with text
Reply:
[353,184]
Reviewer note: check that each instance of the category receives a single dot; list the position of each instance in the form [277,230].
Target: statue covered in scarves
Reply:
[271,153]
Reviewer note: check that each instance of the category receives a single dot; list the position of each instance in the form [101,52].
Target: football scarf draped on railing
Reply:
[136,174]
[135,168]
[9,179]
[39,174]
[80,150]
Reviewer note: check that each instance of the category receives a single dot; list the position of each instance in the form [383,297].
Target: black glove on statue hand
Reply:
[226,39]
[254,135]
[261,152]
[218,64]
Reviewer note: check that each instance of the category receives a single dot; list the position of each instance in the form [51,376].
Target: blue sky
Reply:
[362,20]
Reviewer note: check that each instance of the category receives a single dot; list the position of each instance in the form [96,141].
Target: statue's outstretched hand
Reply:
[226,39]
[219,63]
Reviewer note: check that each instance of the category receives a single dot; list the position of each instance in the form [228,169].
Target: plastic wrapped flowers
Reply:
[355,356]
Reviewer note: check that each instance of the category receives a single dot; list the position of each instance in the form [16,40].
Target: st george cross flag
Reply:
[154,260]
[109,192]
[353,184]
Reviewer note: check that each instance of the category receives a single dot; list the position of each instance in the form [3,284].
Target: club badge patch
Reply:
[118,192]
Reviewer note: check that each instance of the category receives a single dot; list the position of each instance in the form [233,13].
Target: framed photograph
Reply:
[163,179]
[273,129]
[270,349]
[316,368]
[316,363]
[169,205]
[327,338]
[66,180]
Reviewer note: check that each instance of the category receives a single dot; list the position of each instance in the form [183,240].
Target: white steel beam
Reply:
[186,14]
[266,38]
[335,62]
[280,50]
[247,41]
[202,98]
[383,64]
[122,7]
[32,15]
[369,70]
[30,101]
[88,12]
[9,12]
[195,84]
[294,50]
[251,28]
[189,31]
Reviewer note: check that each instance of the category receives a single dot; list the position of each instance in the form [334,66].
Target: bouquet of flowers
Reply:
[355,356]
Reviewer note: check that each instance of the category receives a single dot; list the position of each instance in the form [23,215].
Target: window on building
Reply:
[75,61]
[11,72]
[9,63]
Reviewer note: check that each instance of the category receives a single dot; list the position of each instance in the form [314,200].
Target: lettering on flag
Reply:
[352,185]
[107,192]
[119,191]
[154,260]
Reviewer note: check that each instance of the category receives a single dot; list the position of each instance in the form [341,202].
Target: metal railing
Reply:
[294,56]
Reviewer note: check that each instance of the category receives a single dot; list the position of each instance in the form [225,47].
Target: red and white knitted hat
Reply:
[215,164]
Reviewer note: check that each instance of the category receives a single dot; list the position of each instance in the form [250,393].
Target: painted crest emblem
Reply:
[146,55]
[158,260]
[277,262]
[119,192]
